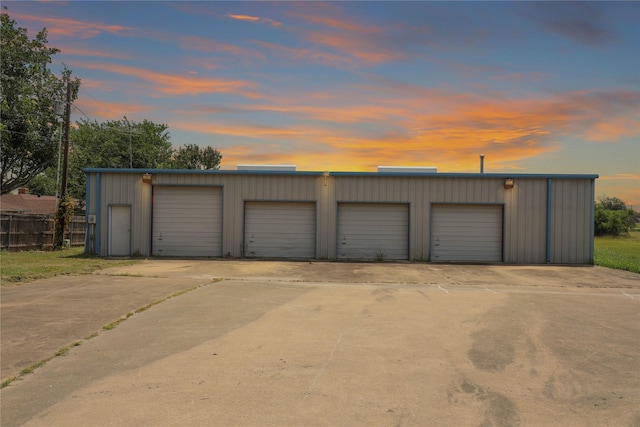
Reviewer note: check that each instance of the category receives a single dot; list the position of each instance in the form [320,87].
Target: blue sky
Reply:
[538,87]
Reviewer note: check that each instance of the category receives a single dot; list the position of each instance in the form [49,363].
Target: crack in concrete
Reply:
[309,391]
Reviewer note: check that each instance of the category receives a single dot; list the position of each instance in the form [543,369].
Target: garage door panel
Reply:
[187,221]
[366,230]
[280,229]
[466,233]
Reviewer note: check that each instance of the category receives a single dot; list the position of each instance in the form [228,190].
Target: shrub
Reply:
[612,218]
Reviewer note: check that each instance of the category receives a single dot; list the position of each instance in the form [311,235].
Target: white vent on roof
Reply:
[276,168]
[408,169]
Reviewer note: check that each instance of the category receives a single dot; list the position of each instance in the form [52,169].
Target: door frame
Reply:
[502,231]
[111,229]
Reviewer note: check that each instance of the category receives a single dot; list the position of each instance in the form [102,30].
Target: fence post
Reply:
[43,229]
[9,233]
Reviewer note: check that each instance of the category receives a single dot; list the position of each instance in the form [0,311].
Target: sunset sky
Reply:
[542,87]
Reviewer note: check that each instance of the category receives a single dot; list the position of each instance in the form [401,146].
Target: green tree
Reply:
[190,156]
[613,204]
[45,182]
[613,218]
[29,127]
[116,144]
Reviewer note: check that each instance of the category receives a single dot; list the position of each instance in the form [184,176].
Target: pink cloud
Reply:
[93,53]
[254,19]
[72,28]
[168,84]
[109,110]
[203,44]
[447,128]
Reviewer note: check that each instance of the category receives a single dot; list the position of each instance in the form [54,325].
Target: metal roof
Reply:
[363,174]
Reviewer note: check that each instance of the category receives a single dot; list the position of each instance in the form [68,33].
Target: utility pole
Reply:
[61,222]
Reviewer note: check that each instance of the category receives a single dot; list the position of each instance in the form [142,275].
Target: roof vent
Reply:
[274,168]
[408,169]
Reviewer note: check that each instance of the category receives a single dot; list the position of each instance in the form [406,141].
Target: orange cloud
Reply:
[404,125]
[244,17]
[109,110]
[203,44]
[340,24]
[350,40]
[254,19]
[299,54]
[168,84]
[622,177]
[614,129]
[247,131]
[625,186]
[70,27]
[94,53]
[334,114]
[363,48]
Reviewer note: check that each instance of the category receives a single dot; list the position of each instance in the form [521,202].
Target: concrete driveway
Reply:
[299,343]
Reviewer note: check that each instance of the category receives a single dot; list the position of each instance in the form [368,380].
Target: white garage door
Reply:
[187,221]
[373,231]
[280,229]
[466,233]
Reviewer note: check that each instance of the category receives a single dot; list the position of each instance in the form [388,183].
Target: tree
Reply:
[613,204]
[190,156]
[122,144]
[612,218]
[29,127]
[45,182]
[116,144]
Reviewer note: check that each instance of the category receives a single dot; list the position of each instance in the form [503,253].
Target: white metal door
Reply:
[187,221]
[280,229]
[120,230]
[466,233]
[373,231]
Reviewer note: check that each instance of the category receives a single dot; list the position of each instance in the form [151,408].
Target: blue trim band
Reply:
[87,204]
[592,229]
[200,172]
[98,214]
[549,202]
[355,174]
[466,175]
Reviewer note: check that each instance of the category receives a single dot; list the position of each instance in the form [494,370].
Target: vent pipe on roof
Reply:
[481,163]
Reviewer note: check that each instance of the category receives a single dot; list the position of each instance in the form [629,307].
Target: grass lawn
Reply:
[622,253]
[30,265]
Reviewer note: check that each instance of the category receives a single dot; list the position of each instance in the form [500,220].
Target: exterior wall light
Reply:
[146,178]
[508,183]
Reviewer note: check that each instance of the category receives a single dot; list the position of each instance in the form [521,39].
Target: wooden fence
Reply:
[28,232]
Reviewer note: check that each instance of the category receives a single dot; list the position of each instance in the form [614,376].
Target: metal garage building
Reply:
[390,215]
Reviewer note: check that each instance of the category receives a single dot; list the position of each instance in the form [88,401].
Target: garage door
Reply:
[370,231]
[280,229]
[466,233]
[187,221]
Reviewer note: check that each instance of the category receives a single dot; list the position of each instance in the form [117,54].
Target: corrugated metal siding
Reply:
[187,221]
[280,229]
[240,188]
[123,189]
[525,227]
[369,231]
[419,192]
[525,221]
[467,232]
[571,229]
